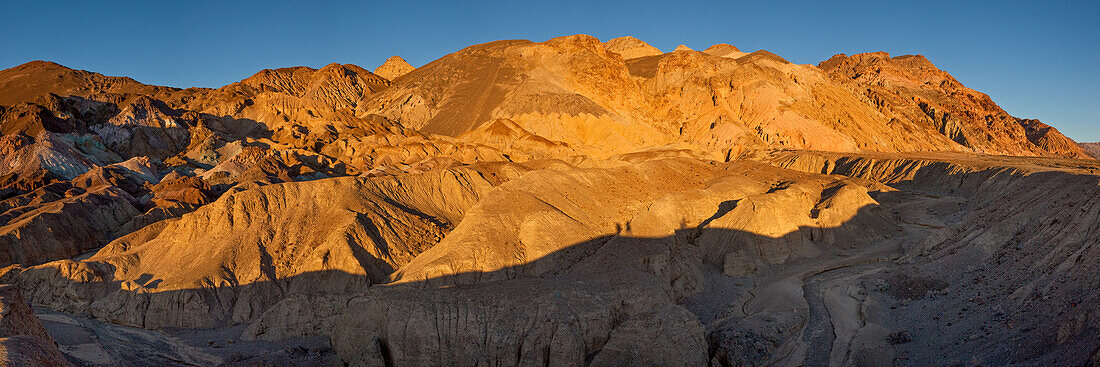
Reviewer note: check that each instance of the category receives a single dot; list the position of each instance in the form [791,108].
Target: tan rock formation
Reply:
[539,230]
[30,120]
[393,68]
[630,47]
[724,50]
[724,105]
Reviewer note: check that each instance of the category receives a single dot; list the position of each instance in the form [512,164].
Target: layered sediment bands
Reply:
[89,219]
[23,340]
[228,261]
[933,172]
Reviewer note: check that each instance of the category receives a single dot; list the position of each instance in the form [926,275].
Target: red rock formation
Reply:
[910,89]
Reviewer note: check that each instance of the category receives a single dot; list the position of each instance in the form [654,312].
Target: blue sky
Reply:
[1036,59]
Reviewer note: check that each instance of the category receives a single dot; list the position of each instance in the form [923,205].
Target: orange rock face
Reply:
[909,89]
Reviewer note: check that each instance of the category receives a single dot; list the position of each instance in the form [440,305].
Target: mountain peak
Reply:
[41,64]
[630,47]
[31,80]
[394,67]
[724,50]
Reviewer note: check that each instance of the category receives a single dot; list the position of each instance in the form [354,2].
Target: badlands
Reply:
[562,203]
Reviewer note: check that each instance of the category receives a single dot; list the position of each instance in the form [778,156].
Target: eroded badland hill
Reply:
[568,202]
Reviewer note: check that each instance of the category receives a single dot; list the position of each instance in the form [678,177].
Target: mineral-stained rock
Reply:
[30,120]
[146,127]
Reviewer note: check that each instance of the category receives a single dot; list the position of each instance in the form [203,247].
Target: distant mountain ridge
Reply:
[864,102]
[1091,148]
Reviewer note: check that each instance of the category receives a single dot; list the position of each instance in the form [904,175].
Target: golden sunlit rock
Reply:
[566,202]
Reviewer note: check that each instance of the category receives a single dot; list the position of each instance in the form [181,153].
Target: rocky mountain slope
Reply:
[571,202]
[910,88]
[1092,149]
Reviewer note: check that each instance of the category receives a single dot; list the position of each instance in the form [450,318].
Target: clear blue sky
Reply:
[1036,59]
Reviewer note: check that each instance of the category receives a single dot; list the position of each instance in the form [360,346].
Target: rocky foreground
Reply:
[569,202]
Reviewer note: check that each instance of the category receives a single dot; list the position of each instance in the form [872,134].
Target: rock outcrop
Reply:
[23,340]
[605,271]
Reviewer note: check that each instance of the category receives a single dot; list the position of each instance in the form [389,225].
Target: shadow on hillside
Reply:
[674,265]
[90,288]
